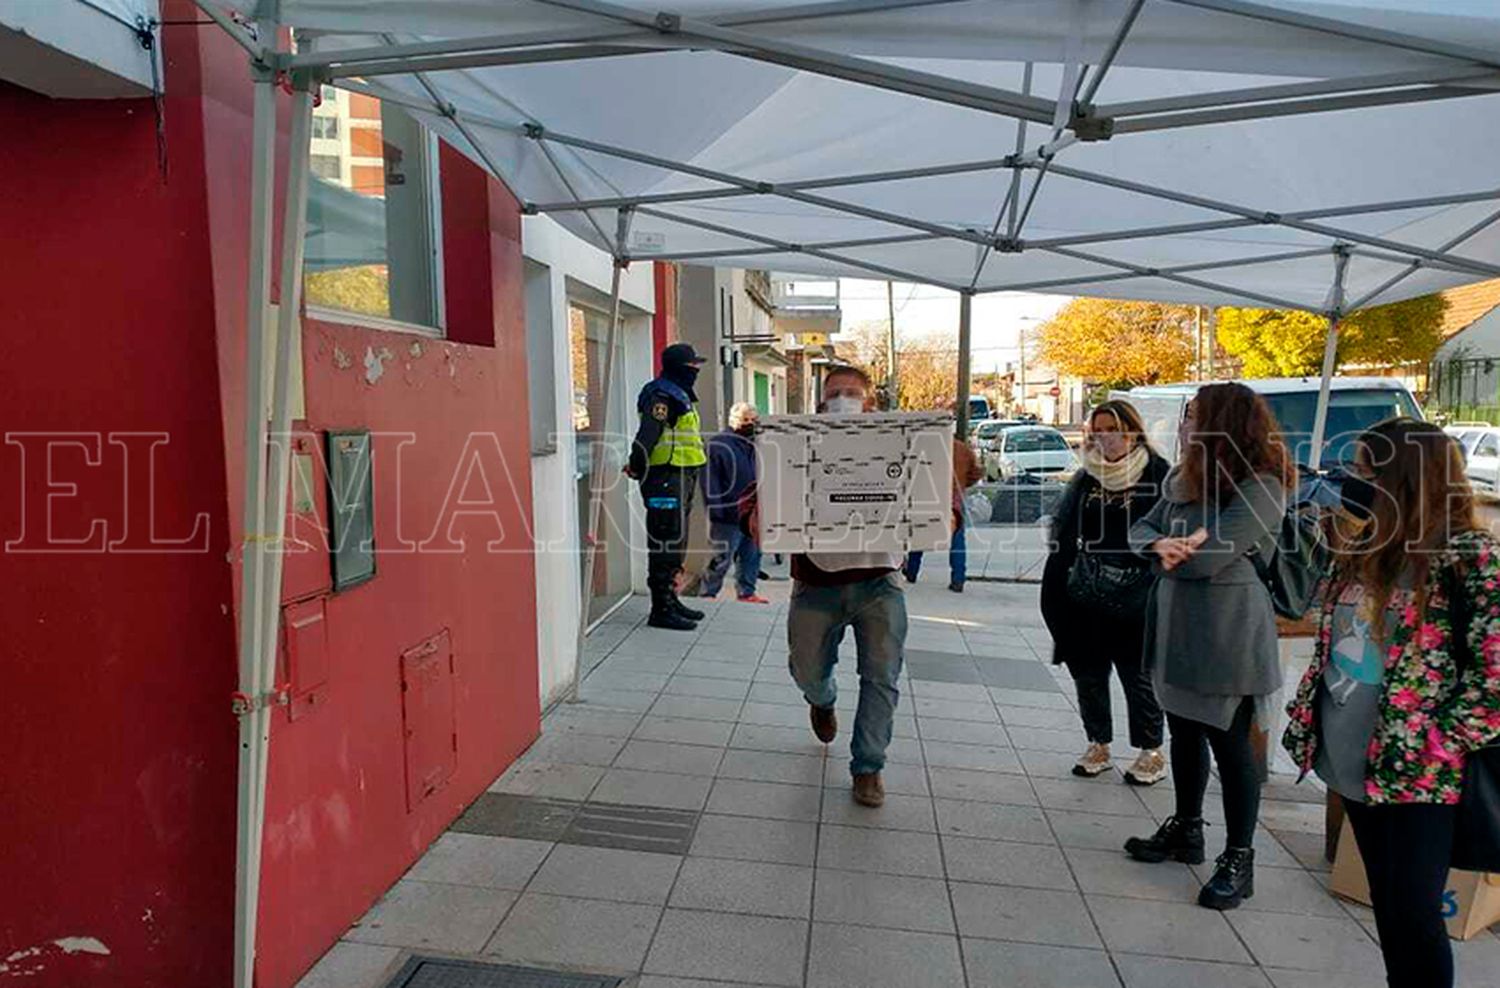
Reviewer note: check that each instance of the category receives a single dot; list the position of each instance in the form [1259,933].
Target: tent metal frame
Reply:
[622,31]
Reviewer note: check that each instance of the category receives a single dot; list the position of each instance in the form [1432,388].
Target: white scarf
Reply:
[1119,475]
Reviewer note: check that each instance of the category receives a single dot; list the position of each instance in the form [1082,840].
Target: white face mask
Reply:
[844,405]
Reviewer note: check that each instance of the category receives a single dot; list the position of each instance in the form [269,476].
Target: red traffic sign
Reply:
[1055,391]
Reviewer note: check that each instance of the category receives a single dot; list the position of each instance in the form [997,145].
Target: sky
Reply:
[927,318]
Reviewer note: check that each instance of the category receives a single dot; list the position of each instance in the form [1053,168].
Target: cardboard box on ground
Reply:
[1471,902]
[855,483]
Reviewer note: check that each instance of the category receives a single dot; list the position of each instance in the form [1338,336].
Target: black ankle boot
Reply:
[1233,880]
[688,612]
[1178,839]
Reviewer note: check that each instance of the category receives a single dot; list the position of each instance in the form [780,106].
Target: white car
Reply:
[985,434]
[1035,451]
[1481,445]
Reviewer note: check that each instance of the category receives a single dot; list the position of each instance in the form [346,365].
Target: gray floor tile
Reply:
[696,708]
[894,901]
[613,698]
[964,731]
[738,671]
[606,873]
[1045,699]
[1282,978]
[864,957]
[980,757]
[756,887]
[474,859]
[898,813]
[656,981]
[575,749]
[942,667]
[738,797]
[772,766]
[938,709]
[1094,831]
[351,965]
[623,663]
[549,929]
[901,751]
[1077,794]
[684,730]
[1166,929]
[1006,863]
[863,849]
[999,912]
[992,964]
[739,948]
[1063,741]
[1059,765]
[705,686]
[982,787]
[1309,943]
[759,737]
[637,788]
[1286,890]
[1113,873]
[667,756]
[615,676]
[963,692]
[1017,674]
[458,918]
[780,691]
[590,721]
[775,715]
[752,839]
[1165,972]
[993,821]
[1057,718]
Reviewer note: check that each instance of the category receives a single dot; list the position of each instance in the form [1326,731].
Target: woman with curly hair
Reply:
[1210,626]
[1405,680]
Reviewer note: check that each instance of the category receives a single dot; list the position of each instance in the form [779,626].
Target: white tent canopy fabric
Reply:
[735,133]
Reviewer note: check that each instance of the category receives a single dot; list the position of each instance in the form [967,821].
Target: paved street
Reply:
[681,824]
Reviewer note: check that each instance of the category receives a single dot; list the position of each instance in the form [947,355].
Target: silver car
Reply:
[1033,451]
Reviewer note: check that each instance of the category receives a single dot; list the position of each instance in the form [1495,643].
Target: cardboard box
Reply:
[855,483]
[1471,902]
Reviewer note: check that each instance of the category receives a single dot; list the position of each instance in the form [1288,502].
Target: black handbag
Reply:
[1476,832]
[1103,585]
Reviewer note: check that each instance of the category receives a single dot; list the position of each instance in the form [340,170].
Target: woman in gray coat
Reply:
[1210,627]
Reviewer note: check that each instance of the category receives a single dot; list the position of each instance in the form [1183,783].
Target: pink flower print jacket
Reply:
[1431,716]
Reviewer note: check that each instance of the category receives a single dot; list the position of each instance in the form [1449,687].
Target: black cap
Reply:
[681,355]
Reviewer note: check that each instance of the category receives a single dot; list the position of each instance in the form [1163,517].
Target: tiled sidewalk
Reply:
[990,866]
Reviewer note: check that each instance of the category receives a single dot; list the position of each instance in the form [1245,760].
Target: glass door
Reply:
[603,436]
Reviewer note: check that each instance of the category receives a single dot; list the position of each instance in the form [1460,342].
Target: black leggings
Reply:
[1406,850]
[1238,773]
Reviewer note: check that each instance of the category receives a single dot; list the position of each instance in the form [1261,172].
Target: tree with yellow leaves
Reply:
[1281,343]
[1117,342]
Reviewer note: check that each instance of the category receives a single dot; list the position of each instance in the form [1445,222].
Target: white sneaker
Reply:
[1094,761]
[1150,768]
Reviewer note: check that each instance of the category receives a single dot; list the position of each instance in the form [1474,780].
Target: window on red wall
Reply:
[373,248]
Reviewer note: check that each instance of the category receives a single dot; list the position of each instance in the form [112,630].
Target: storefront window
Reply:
[372,216]
[602,448]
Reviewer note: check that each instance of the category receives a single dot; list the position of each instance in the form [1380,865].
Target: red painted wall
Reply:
[125,303]
[664,319]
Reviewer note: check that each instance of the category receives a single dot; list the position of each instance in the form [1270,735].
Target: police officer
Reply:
[665,457]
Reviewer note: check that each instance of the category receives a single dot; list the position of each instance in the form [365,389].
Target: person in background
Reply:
[1405,680]
[1210,626]
[665,458]
[834,591]
[1119,484]
[729,492]
[966,474]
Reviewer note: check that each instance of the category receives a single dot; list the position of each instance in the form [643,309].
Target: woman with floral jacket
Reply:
[1405,680]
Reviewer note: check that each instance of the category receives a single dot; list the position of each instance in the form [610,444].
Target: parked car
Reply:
[979,408]
[1354,404]
[1467,433]
[1029,451]
[984,435]
[1481,445]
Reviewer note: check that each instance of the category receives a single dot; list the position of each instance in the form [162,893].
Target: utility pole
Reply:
[1021,329]
[891,384]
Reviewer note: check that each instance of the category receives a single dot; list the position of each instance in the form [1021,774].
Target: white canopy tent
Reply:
[1321,155]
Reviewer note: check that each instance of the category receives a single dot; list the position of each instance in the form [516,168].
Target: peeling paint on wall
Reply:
[341,359]
[375,363]
[23,963]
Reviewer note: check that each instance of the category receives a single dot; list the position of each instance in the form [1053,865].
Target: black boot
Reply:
[664,615]
[1178,839]
[678,607]
[1233,880]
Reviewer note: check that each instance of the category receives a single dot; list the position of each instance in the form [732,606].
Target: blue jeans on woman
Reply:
[876,610]
[958,560]
[734,546]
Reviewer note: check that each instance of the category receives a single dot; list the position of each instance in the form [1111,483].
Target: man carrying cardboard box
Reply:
[835,591]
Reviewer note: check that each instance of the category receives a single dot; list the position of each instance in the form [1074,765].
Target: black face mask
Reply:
[1358,496]
[683,375]
[748,431]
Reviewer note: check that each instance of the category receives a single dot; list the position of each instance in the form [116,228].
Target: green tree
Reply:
[1289,343]
[1124,343]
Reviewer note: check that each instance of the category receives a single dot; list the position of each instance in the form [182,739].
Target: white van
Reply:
[1354,404]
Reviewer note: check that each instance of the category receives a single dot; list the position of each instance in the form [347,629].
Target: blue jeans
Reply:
[734,546]
[958,560]
[876,610]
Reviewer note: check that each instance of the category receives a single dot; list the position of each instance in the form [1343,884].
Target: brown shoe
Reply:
[825,723]
[869,790]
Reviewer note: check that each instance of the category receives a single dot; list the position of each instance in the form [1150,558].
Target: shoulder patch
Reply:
[660,411]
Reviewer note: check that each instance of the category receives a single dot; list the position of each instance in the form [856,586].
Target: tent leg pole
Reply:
[965,318]
[597,459]
[253,549]
[1330,353]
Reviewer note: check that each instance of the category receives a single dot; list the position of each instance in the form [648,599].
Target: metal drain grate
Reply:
[442,972]
[633,828]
